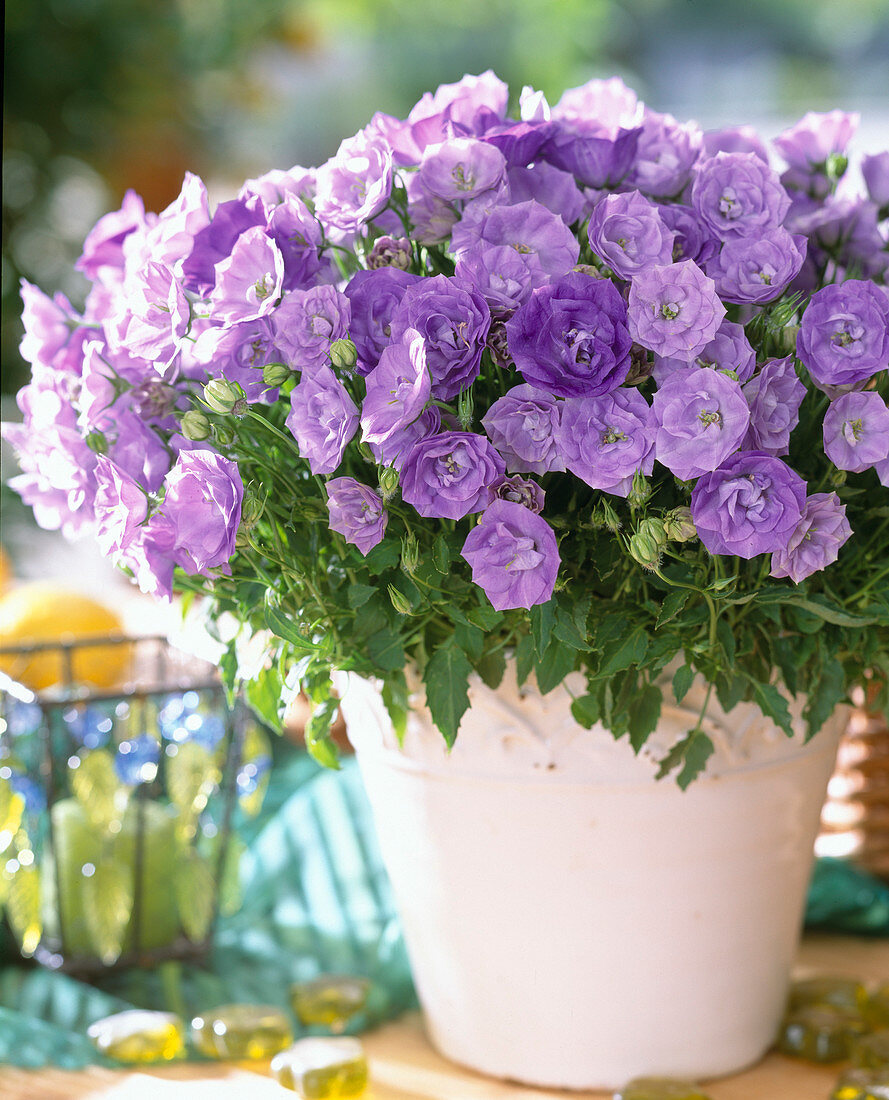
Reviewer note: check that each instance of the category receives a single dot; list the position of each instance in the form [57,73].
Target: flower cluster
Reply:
[493,337]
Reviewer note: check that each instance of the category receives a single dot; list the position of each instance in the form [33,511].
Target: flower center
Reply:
[729,206]
[669,311]
[613,435]
[708,418]
[263,287]
[853,430]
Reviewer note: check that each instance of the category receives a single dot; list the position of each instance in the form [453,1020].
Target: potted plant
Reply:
[567,431]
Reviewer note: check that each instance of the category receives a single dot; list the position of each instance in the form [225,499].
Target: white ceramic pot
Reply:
[570,921]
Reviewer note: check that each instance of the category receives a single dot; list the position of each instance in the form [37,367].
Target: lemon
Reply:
[45,612]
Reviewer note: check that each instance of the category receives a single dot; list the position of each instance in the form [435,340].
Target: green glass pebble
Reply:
[871,1051]
[841,992]
[239,1032]
[659,1088]
[820,1033]
[320,1068]
[330,1000]
[862,1084]
[138,1035]
[876,1010]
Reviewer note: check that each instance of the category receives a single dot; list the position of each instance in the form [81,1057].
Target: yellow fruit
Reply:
[6,573]
[46,612]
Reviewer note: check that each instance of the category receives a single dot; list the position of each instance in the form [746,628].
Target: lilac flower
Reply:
[215,241]
[519,142]
[514,556]
[665,156]
[729,350]
[276,185]
[604,104]
[393,451]
[307,322]
[737,194]
[816,541]
[432,218]
[524,427]
[550,186]
[138,450]
[102,249]
[844,336]
[522,491]
[749,505]
[322,419]
[571,337]
[464,101]
[735,139]
[397,389]
[120,508]
[702,417]
[389,252]
[354,186]
[774,396]
[157,316]
[461,168]
[856,431]
[453,319]
[168,237]
[815,137]
[449,475]
[249,281]
[848,230]
[298,236]
[498,273]
[374,297]
[201,510]
[692,240]
[627,232]
[757,269]
[674,311]
[48,324]
[875,170]
[356,512]
[605,440]
[546,245]
[239,353]
[598,159]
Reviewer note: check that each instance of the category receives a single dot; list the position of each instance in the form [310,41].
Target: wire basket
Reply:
[116,806]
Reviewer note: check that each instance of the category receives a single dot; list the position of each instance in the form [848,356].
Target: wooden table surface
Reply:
[403,1065]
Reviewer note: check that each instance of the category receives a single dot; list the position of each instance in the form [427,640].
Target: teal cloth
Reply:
[316,899]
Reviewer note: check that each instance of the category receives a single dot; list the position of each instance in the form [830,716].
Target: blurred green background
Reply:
[101,95]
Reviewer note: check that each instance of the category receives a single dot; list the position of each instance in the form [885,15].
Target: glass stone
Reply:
[876,1010]
[138,1035]
[241,1032]
[659,1088]
[820,1033]
[323,1068]
[862,1084]
[871,1051]
[330,1000]
[842,992]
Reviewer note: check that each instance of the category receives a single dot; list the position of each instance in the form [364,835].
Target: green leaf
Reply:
[830,613]
[673,603]
[96,786]
[230,892]
[644,712]
[484,617]
[773,704]
[12,806]
[23,907]
[395,699]
[470,639]
[682,681]
[630,650]
[385,555]
[441,555]
[359,594]
[317,734]
[555,664]
[386,651]
[828,690]
[195,891]
[446,676]
[192,774]
[264,696]
[726,640]
[585,710]
[692,752]
[543,618]
[730,690]
[284,627]
[570,624]
[107,907]
[524,658]
[786,654]
[492,668]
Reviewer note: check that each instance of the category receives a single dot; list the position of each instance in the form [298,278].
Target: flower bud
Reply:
[252,506]
[647,542]
[366,453]
[410,554]
[97,443]
[640,490]
[343,355]
[388,483]
[195,426]
[223,434]
[276,374]
[678,525]
[390,252]
[399,601]
[497,345]
[465,409]
[609,518]
[787,338]
[225,397]
[836,166]
[640,367]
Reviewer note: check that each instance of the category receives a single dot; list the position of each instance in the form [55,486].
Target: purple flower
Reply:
[856,431]
[48,325]
[774,396]
[674,311]
[729,350]
[514,556]
[815,137]
[249,281]
[604,105]
[307,322]
[449,475]
[454,320]
[201,510]
[702,417]
[168,237]
[461,168]
[816,541]
[757,269]
[665,156]
[627,232]
[276,185]
[215,241]
[323,418]
[737,194]
[844,335]
[120,508]
[354,186]
[103,247]
[605,440]
[875,170]
[137,449]
[750,505]
[551,187]
[735,139]
[298,236]
[397,389]
[692,240]
[598,158]
[524,426]
[546,245]
[357,512]
[157,315]
[498,273]
[522,491]
[848,229]
[374,297]
[393,451]
[571,337]
[239,353]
